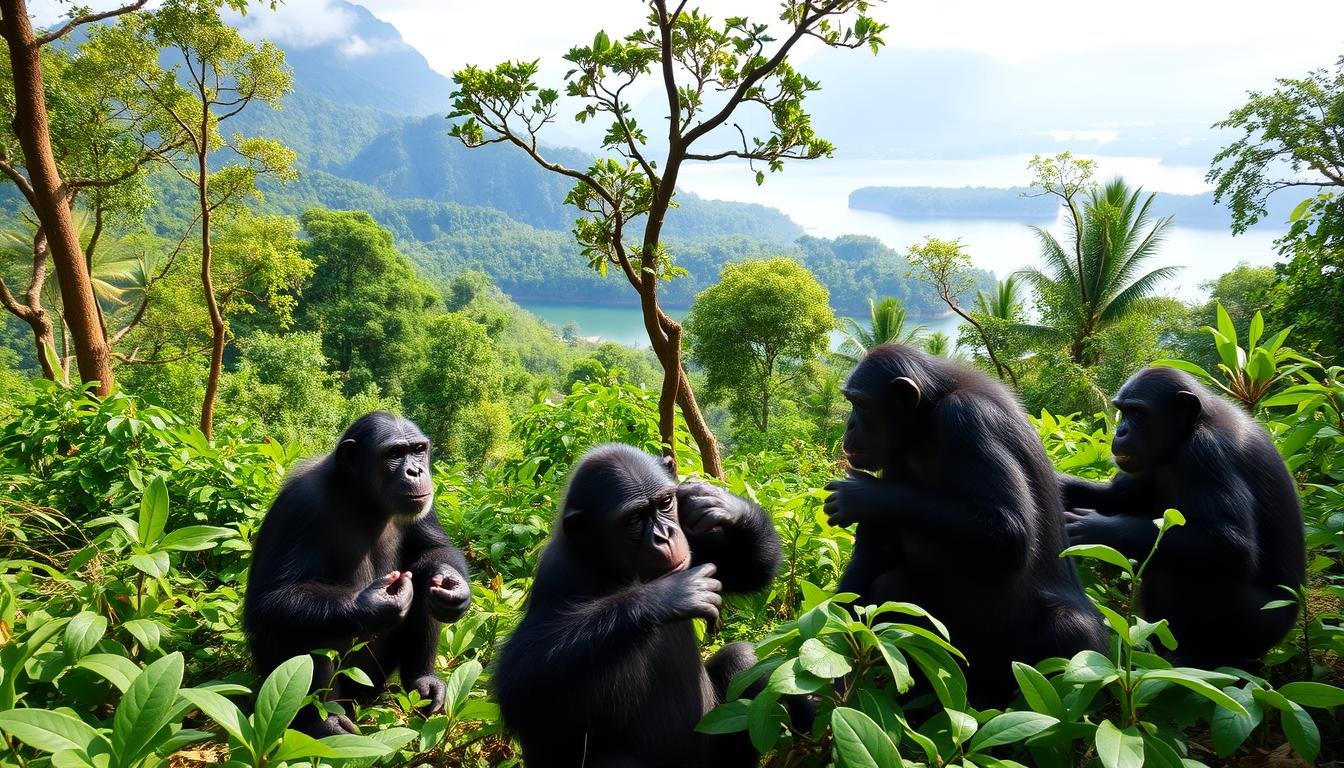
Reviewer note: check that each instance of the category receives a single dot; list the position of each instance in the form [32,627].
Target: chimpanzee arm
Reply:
[434,561]
[982,506]
[563,633]
[873,556]
[1219,531]
[731,532]
[312,608]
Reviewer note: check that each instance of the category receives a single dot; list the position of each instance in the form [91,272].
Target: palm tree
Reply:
[938,344]
[886,325]
[1084,292]
[1005,303]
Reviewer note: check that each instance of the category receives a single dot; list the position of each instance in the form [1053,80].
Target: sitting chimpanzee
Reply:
[965,518]
[351,551]
[1180,446]
[605,669]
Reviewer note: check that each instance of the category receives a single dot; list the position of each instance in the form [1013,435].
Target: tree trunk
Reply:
[79,305]
[216,318]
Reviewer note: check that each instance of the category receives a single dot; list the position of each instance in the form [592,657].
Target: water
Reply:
[816,195]
[625,325]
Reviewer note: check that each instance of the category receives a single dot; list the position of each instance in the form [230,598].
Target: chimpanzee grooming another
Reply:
[965,518]
[605,669]
[1180,446]
[351,551]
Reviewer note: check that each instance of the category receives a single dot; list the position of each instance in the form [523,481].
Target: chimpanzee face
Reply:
[1157,413]
[867,440]
[387,458]
[622,507]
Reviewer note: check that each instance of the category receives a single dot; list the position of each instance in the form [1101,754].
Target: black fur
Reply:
[605,668]
[351,550]
[965,519]
[1180,446]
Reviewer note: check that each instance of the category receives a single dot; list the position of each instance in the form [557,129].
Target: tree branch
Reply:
[88,18]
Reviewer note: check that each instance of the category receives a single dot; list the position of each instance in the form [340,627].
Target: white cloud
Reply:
[298,23]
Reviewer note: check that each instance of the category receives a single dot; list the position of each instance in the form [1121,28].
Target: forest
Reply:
[203,292]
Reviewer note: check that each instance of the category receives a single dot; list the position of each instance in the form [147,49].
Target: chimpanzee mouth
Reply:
[1121,459]
[683,565]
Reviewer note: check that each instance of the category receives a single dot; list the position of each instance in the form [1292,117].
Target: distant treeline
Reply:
[1022,203]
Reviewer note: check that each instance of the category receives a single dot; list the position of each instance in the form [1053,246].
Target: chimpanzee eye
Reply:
[665,505]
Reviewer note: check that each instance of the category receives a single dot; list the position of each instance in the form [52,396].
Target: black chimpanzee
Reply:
[605,669]
[965,518]
[1180,446]
[350,551]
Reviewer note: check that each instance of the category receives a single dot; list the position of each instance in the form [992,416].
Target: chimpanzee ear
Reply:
[1190,404]
[907,390]
[345,454]
[572,520]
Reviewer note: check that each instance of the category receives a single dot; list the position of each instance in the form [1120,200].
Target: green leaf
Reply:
[1185,365]
[147,631]
[280,698]
[1099,552]
[1089,667]
[765,717]
[859,742]
[83,633]
[295,746]
[1225,326]
[1301,732]
[1300,210]
[1041,696]
[729,717]
[153,512]
[117,670]
[1261,365]
[348,746]
[1256,330]
[153,564]
[1011,727]
[1198,686]
[459,685]
[1230,729]
[1119,748]
[46,730]
[821,661]
[194,538]
[791,678]
[146,707]
[223,712]
[1308,694]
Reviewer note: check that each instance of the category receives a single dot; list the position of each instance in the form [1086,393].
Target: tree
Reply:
[938,344]
[43,187]
[1081,293]
[104,135]
[886,324]
[760,316]
[707,73]
[365,299]
[224,75]
[1005,303]
[459,370]
[1291,139]
[945,265]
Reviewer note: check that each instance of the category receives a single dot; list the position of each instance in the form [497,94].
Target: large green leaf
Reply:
[280,698]
[459,685]
[223,712]
[1099,552]
[1198,686]
[1230,729]
[153,512]
[194,538]
[146,707]
[1119,748]
[1010,727]
[83,633]
[860,742]
[1308,694]
[1041,696]
[117,670]
[46,730]
[729,717]
[821,661]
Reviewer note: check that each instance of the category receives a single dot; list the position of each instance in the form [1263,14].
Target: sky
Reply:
[451,33]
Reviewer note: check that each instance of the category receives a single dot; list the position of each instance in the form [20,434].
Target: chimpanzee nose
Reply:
[413,471]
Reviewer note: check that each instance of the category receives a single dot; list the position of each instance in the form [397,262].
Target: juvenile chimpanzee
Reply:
[352,551]
[1180,446]
[605,669]
[965,518]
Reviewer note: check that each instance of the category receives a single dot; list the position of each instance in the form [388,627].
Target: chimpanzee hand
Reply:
[386,601]
[690,594]
[449,594]
[703,507]
[851,499]
[431,689]
[1088,526]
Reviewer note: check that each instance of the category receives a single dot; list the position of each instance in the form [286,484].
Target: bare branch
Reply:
[88,18]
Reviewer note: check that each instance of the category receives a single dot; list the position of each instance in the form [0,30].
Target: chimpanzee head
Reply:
[891,392]
[386,458]
[621,511]
[1159,409]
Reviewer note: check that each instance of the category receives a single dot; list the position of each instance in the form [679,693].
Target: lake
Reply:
[816,195]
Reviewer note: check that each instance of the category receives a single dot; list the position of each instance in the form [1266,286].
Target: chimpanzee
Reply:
[351,551]
[604,668]
[964,519]
[1180,446]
